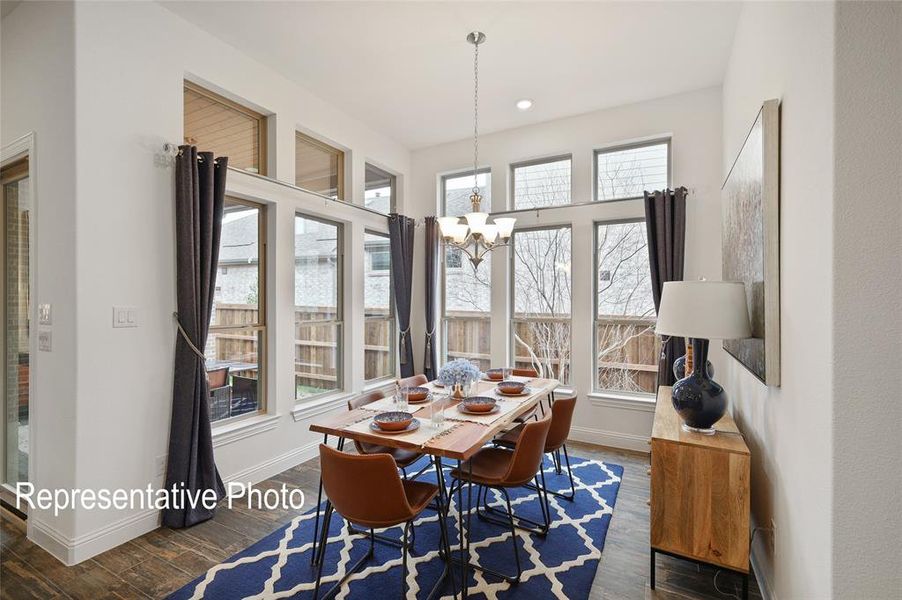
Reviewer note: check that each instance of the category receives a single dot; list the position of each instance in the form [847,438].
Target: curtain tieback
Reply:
[402,350]
[428,363]
[187,339]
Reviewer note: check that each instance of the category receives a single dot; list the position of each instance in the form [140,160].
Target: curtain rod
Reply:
[173,150]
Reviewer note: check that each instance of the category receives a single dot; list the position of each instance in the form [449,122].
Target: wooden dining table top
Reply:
[459,443]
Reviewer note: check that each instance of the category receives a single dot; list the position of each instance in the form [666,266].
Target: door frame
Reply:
[22,147]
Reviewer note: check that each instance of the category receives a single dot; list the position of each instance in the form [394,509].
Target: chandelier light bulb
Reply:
[505,226]
[489,232]
[446,225]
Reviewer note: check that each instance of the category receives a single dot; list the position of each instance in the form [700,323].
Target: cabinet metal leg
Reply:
[652,552]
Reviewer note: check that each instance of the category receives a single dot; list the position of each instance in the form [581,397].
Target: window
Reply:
[541,183]
[379,326]
[466,308]
[236,344]
[628,171]
[379,192]
[541,301]
[318,167]
[626,347]
[317,311]
[226,128]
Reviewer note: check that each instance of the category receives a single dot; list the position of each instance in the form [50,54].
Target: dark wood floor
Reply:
[164,560]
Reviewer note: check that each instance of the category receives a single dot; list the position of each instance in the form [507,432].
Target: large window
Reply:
[541,301]
[626,347]
[236,344]
[628,171]
[318,167]
[317,310]
[379,191]
[379,326]
[541,183]
[226,128]
[467,291]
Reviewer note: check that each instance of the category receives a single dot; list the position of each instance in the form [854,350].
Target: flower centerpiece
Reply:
[457,374]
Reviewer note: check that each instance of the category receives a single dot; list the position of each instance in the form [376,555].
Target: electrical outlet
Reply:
[161,464]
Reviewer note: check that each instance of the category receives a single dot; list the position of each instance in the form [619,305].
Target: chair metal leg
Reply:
[492,515]
[569,474]
[322,544]
[404,561]
[319,499]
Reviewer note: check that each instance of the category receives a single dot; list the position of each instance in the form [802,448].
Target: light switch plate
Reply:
[45,314]
[45,340]
[125,316]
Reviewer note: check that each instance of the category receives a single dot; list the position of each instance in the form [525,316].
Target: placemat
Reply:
[504,408]
[388,404]
[419,436]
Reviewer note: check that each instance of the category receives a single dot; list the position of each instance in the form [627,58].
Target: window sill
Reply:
[232,432]
[318,406]
[623,401]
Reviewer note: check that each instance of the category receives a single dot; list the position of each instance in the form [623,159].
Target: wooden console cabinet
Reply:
[699,492]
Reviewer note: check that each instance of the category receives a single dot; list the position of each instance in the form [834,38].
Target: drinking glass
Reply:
[437,417]
[403,404]
[506,373]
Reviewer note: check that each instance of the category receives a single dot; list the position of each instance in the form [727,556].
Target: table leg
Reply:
[443,531]
[464,558]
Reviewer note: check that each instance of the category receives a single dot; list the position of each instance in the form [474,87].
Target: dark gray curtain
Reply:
[433,247]
[401,233]
[665,219]
[199,195]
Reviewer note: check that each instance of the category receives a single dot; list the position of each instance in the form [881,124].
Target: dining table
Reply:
[457,438]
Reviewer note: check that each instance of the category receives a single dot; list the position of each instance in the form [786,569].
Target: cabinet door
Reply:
[700,503]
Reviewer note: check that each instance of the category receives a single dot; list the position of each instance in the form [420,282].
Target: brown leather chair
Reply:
[413,381]
[561,419]
[403,458]
[499,469]
[524,373]
[366,490]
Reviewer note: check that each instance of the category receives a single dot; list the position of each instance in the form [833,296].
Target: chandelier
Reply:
[476,237]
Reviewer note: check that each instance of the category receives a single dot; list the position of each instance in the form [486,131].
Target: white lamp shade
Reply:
[505,226]
[446,225]
[489,232]
[476,221]
[459,233]
[704,309]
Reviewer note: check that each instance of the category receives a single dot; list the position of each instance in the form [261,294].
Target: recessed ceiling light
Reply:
[524,104]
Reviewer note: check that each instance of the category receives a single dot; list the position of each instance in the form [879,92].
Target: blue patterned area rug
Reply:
[561,565]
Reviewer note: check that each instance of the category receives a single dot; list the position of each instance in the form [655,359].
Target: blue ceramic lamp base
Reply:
[699,400]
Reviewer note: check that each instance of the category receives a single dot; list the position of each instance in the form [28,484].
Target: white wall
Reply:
[785,51]
[122,69]
[867,286]
[38,95]
[693,122]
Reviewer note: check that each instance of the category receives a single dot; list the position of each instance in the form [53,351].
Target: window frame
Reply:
[630,146]
[444,319]
[512,204]
[392,347]
[512,296]
[339,323]
[340,174]
[594,387]
[393,185]
[443,207]
[261,325]
[262,121]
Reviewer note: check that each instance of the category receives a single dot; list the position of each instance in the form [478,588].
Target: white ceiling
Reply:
[405,69]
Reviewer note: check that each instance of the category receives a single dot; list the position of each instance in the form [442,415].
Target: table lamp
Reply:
[702,311]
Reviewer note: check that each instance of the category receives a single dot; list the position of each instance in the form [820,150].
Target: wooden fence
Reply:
[627,346]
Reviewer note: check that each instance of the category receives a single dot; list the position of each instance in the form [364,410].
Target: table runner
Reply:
[454,414]
[418,437]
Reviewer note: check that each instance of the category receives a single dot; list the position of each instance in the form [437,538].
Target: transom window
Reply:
[226,128]
[318,167]
[626,347]
[541,325]
[379,190]
[540,183]
[318,306]
[466,301]
[379,326]
[628,171]
[236,344]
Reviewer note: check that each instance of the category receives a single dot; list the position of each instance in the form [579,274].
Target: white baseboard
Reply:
[71,551]
[613,439]
[767,592]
